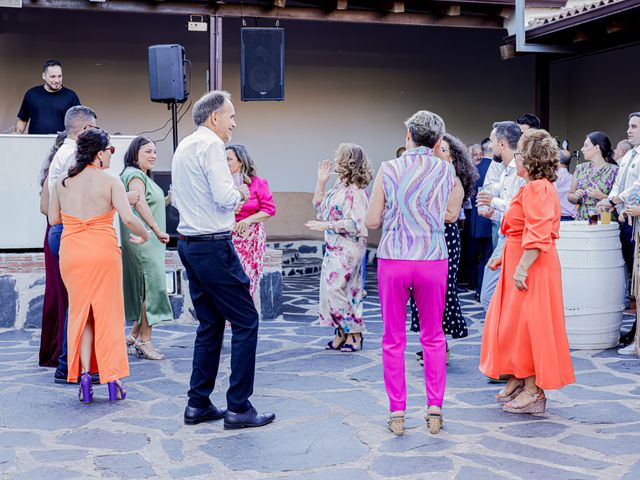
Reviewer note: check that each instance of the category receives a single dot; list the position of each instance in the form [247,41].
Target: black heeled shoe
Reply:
[353,347]
[338,333]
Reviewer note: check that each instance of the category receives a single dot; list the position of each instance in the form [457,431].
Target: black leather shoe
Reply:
[248,419]
[193,415]
[60,377]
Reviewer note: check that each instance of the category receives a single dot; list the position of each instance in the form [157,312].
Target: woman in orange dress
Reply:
[524,333]
[85,201]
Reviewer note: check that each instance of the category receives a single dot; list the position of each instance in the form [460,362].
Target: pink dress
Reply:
[252,247]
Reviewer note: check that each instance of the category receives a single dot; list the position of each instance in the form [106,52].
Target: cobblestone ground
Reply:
[331,410]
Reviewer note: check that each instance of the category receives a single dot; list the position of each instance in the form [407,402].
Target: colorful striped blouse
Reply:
[416,186]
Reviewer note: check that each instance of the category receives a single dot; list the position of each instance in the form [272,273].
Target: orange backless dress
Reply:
[524,331]
[91,267]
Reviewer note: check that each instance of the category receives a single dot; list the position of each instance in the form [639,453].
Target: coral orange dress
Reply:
[91,267]
[524,331]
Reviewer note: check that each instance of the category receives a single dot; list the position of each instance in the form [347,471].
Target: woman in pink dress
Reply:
[249,237]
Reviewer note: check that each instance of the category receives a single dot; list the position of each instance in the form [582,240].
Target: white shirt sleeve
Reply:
[219,179]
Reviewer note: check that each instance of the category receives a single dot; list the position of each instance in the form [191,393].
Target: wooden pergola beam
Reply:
[289,13]
[393,7]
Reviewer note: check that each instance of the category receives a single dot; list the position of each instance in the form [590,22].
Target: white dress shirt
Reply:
[202,187]
[627,183]
[510,183]
[492,178]
[64,158]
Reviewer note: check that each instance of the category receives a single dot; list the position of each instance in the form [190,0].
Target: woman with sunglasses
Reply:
[341,211]
[85,201]
[146,302]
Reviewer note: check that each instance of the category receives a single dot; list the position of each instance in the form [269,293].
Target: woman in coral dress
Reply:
[524,333]
[85,201]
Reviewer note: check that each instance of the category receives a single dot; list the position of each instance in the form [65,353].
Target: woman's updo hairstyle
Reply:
[89,144]
[540,154]
[601,140]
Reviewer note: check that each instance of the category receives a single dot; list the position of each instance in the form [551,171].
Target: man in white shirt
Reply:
[76,120]
[563,185]
[492,182]
[204,193]
[504,142]
[625,191]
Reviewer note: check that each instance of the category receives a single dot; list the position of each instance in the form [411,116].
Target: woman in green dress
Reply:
[145,293]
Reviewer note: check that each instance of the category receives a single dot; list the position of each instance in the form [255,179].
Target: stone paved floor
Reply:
[331,411]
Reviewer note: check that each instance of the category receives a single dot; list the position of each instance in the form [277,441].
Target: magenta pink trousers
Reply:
[428,279]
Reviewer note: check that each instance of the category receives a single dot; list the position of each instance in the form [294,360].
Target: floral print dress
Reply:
[588,177]
[341,279]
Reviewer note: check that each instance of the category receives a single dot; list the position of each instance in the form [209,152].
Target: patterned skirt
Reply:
[453,322]
[251,249]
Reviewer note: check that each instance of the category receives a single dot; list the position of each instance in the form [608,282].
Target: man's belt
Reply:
[212,237]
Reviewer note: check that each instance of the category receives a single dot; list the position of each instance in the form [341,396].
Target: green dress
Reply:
[143,265]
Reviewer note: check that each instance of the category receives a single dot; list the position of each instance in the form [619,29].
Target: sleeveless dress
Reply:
[91,267]
[453,322]
[143,265]
[524,331]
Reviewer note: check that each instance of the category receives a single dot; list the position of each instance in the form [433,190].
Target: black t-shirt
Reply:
[46,109]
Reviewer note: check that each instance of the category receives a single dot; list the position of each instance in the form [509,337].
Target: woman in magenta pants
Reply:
[409,201]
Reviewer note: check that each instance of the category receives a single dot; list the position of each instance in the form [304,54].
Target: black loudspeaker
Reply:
[167,81]
[262,64]
[163,179]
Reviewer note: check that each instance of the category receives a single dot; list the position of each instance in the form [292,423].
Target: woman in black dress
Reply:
[453,322]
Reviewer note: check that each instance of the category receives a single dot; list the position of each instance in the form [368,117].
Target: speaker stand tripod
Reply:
[173,106]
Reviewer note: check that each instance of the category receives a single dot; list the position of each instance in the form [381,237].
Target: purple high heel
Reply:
[85,395]
[116,392]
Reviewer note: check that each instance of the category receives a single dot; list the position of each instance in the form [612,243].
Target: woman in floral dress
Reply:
[341,212]
[593,180]
[249,237]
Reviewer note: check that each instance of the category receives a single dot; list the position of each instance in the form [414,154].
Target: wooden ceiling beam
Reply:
[174,7]
[393,7]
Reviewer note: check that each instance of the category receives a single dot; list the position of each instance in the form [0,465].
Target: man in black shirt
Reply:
[44,106]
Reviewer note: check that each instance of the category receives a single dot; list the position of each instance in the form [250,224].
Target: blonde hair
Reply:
[353,166]
[540,154]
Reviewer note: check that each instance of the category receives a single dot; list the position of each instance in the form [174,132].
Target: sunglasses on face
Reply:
[111,148]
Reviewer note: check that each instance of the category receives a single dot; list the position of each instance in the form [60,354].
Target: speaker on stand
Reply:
[261,64]
[167,81]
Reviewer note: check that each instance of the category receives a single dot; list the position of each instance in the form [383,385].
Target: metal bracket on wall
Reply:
[521,36]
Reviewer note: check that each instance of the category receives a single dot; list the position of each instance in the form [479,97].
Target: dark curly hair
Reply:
[89,144]
[461,159]
[353,166]
[540,154]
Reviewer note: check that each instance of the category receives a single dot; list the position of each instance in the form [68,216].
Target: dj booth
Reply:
[21,161]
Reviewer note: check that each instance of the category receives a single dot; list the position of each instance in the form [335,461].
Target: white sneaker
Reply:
[628,350]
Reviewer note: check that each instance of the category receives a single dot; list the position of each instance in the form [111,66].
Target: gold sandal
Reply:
[396,423]
[131,345]
[434,422]
[539,404]
[148,355]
